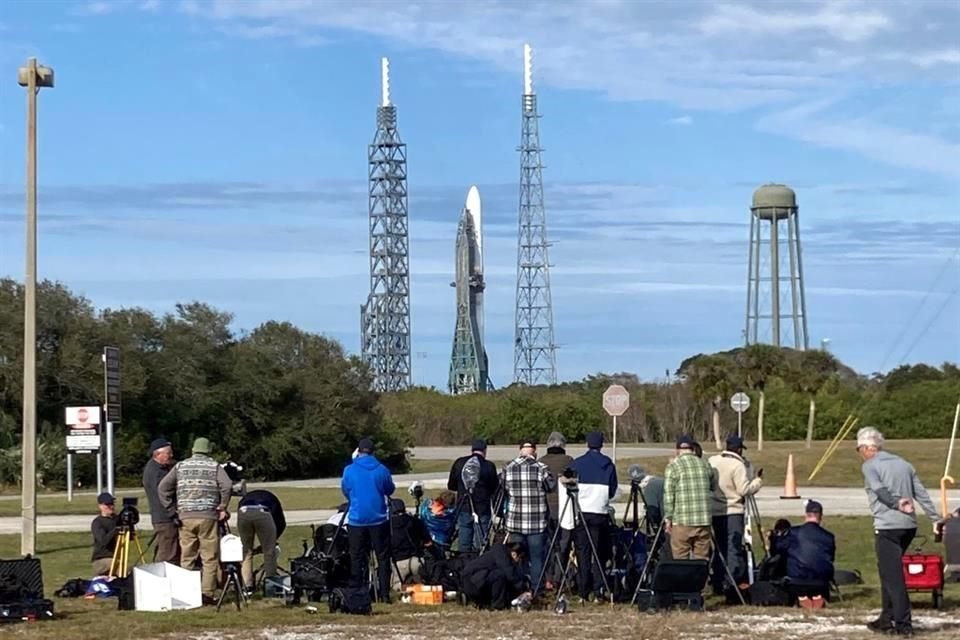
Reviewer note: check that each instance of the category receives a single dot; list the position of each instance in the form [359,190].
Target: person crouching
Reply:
[494,579]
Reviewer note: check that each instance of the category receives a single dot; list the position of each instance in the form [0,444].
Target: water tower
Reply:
[776,307]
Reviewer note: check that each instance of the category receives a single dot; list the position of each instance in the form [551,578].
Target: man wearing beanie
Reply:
[200,490]
[367,485]
[597,481]
[162,520]
[892,488]
[474,506]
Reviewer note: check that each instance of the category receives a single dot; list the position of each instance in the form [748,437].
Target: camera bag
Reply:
[352,600]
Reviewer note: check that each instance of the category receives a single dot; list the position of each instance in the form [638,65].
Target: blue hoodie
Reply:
[598,481]
[366,483]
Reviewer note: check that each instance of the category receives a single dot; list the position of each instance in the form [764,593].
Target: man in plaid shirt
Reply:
[688,487]
[526,483]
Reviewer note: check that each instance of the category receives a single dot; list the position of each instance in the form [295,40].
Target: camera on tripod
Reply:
[637,474]
[416,490]
[234,471]
[570,480]
[129,515]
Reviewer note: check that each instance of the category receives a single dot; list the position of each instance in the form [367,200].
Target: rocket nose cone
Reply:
[473,199]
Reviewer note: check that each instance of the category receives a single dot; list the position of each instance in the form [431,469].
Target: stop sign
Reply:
[616,400]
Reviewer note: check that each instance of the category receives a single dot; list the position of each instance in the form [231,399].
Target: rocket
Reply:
[468,361]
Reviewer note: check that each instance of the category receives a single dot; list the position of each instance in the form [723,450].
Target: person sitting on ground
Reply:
[104,530]
[811,549]
[774,566]
[494,579]
[410,544]
[440,517]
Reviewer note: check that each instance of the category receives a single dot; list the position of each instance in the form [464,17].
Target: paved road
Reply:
[836,501]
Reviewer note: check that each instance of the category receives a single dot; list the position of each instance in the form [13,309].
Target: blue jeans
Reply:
[536,548]
[466,529]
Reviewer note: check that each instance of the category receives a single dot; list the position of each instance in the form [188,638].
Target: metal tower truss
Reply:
[468,360]
[534,347]
[385,318]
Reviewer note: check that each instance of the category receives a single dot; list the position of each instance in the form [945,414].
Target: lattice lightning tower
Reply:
[534,359]
[385,318]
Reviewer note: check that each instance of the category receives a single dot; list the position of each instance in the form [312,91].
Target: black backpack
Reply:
[351,600]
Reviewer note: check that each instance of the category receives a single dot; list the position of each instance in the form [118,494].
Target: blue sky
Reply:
[217,151]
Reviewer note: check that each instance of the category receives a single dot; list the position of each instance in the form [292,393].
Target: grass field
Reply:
[842,469]
[66,555]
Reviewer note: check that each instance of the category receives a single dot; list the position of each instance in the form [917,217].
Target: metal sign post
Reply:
[69,477]
[616,401]
[111,405]
[740,402]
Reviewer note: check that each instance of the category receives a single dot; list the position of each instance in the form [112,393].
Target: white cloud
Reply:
[681,121]
[847,21]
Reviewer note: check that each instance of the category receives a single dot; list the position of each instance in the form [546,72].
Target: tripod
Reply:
[234,582]
[496,523]
[120,562]
[573,502]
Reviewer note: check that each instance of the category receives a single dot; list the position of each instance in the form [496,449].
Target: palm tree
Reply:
[815,369]
[710,377]
[759,363]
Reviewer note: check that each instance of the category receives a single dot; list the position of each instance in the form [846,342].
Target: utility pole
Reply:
[33,77]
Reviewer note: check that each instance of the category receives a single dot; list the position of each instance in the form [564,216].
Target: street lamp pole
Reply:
[33,77]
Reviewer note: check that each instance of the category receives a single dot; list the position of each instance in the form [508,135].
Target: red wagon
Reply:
[924,572]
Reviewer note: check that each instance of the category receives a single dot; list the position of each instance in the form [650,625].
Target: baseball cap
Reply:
[685,441]
[735,442]
[160,443]
[365,445]
[595,440]
[105,498]
[529,442]
[479,445]
[201,445]
[813,507]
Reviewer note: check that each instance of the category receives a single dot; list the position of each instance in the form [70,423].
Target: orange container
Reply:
[425,594]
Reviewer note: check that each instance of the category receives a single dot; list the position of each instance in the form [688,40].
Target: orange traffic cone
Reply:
[790,484]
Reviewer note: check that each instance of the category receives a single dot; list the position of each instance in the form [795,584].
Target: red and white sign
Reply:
[83,429]
[616,400]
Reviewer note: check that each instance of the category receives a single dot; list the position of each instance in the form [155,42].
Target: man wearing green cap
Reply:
[200,489]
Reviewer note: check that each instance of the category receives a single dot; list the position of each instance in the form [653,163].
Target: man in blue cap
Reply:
[735,485]
[163,520]
[597,485]
[367,485]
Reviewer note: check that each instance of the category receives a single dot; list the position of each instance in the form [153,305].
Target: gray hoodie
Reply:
[887,479]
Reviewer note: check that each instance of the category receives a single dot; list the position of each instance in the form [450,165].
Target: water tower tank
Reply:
[774,200]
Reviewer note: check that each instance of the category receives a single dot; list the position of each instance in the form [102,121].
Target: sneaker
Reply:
[249,591]
[880,625]
[904,630]
[208,601]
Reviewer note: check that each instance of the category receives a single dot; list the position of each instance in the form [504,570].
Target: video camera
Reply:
[129,516]
[569,479]
[637,474]
[416,490]
[234,471]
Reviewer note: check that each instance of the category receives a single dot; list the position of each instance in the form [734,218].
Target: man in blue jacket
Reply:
[597,485]
[811,549]
[367,485]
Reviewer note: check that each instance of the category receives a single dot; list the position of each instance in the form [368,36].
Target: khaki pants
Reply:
[198,536]
[690,542]
[168,542]
[101,567]
[257,524]
[409,573]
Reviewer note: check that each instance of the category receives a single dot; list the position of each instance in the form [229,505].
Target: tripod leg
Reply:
[550,549]
[726,568]
[578,516]
[644,574]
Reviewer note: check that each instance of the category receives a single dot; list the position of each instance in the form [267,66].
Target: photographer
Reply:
[557,462]
[104,530]
[367,484]
[260,516]
[200,488]
[475,502]
[526,483]
[439,516]
[596,481]
[162,520]
[734,487]
[495,578]
[688,487]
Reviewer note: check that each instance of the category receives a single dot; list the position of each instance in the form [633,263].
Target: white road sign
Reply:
[740,402]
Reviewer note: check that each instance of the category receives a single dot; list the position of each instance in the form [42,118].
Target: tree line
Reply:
[287,403]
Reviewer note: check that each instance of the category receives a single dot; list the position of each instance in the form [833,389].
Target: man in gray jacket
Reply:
[892,487]
[201,490]
[163,520]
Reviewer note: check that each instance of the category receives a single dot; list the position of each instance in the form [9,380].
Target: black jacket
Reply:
[485,490]
[497,559]
[557,461]
[104,530]
[811,551]
[266,499]
[153,473]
